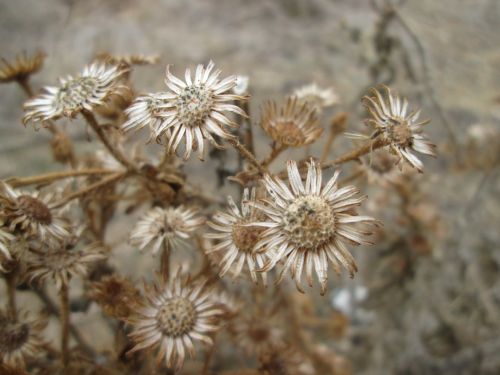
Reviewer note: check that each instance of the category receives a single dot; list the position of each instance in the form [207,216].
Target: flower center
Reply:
[176,317]
[309,222]
[245,237]
[75,92]
[13,336]
[194,104]
[288,133]
[400,133]
[35,209]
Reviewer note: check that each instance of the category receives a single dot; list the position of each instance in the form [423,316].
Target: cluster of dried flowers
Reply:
[294,223]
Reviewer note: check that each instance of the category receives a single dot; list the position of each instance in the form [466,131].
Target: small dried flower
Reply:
[317,97]
[401,129]
[116,295]
[21,69]
[164,227]
[90,89]
[308,226]
[172,317]
[193,110]
[61,263]
[31,214]
[293,125]
[236,239]
[20,339]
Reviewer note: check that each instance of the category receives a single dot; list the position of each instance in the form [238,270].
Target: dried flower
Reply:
[21,69]
[132,59]
[5,239]
[391,119]
[164,227]
[144,111]
[308,226]
[173,316]
[20,339]
[60,264]
[194,110]
[31,214]
[317,97]
[293,125]
[90,89]
[116,295]
[237,239]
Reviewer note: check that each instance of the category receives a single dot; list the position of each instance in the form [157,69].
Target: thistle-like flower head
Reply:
[317,97]
[22,68]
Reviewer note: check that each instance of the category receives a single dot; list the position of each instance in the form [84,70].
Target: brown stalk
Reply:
[10,280]
[247,155]
[357,153]
[64,295]
[338,124]
[54,176]
[275,152]
[165,263]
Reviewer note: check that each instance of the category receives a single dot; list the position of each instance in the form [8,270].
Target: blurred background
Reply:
[427,300]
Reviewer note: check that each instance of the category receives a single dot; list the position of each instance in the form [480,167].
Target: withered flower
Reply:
[317,97]
[20,339]
[22,68]
[293,125]
[144,111]
[116,295]
[192,110]
[59,264]
[165,227]
[308,226]
[172,317]
[236,239]
[403,131]
[31,214]
[90,89]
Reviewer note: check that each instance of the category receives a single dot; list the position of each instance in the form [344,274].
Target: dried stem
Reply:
[10,280]
[165,262]
[337,126]
[209,354]
[64,295]
[248,136]
[54,176]
[357,153]
[117,154]
[275,152]
[247,155]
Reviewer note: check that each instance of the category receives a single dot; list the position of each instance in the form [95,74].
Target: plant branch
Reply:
[247,155]
[54,176]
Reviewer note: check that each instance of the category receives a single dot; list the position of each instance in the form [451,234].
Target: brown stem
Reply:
[117,154]
[165,263]
[337,126]
[275,152]
[54,176]
[357,153]
[247,155]
[209,354]
[10,279]
[64,294]
[86,190]
[248,136]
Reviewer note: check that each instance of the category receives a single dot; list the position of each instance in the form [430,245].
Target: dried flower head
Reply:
[90,89]
[193,110]
[293,125]
[237,239]
[401,129]
[21,69]
[116,295]
[165,227]
[172,317]
[31,214]
[317,97]
[132,59]
[20,339]
[308,226]
[59,264]
[144,111]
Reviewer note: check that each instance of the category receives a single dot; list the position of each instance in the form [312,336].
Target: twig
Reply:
[357,153]
[54,176]
[64,295]
[275,152]
[165,262]
[10,280]
[247,155]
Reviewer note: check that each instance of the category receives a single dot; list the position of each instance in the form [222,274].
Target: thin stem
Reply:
[357,153]
[10,279]
[209,354]
[54,176]
[165,263]
[248,136]
[275,152]
[88,189]
[117,154]
[337,126]
[247,155]
[64,295]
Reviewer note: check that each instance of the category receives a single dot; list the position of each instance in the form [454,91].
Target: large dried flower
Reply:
[116,295]
[401,129]
[236,239]
[90,89]
[172,317]
[293,125]
[60,264]
[193,110]
[164,227]
[317,97]
[21,69]
[308,226]
[20,338]
[32,214]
